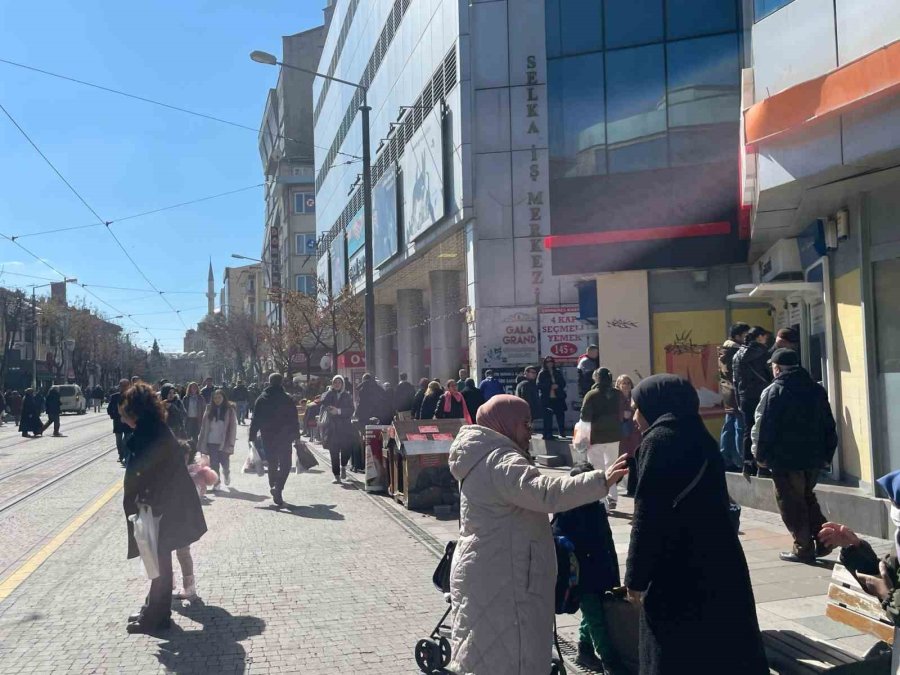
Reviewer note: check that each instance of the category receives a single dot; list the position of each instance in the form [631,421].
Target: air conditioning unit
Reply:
[779,263]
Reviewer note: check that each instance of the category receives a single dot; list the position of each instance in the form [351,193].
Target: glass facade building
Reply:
[644,105]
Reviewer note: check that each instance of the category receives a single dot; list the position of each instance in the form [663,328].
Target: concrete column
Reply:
[446,323]
[385,328]
[410,333]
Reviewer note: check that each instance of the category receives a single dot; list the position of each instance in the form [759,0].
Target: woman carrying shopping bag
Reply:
[156,476]
[218,432]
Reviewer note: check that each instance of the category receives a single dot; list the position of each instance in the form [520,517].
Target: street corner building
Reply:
[548,174]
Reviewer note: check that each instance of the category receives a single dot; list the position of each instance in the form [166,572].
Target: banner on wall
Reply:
[322,274]
[356,268]
[423,178]
[623,322]
[564,336]
[384,217]
[514,340]
[356,233]
[338,265]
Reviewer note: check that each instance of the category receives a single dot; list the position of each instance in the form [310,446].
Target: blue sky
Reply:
[127,157]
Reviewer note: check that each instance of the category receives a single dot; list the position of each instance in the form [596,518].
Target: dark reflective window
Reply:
[633,22]
[636,109]
[577,124]
[551,11]
[689,18]
[580,26]
[762,8]
[703,99]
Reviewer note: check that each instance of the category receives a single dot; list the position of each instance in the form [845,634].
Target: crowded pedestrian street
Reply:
[336,581]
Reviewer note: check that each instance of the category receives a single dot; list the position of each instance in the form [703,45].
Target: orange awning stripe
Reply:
[872,76]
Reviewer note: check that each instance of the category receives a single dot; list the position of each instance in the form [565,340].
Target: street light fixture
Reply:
[238,256]
[271,60]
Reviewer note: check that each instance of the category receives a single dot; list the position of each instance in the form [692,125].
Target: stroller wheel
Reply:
[428,655]
[446,652]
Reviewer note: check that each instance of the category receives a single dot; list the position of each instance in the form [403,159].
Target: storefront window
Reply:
[633,22]
[703,94]
[690,18]
[636,109]
[581,26]
[577,121]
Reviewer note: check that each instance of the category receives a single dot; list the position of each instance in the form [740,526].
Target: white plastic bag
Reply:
[146,534]
[254,461]
[581,441]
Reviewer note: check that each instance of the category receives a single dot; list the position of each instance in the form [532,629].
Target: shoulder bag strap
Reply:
[684,493]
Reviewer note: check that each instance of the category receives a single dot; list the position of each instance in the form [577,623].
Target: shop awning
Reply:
[774,291]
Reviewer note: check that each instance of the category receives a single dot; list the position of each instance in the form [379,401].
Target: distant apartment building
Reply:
[287,154]
[240,292]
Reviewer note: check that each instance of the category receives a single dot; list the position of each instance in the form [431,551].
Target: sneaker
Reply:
[190,589]
[148,628]
[343,473]
[611,505]
[276,497]
[336,481]
[227,477]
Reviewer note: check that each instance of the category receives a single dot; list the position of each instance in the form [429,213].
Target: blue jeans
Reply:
[732,440]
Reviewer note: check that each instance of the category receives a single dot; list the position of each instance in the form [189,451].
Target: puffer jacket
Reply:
[751,375]
[504,569]
[727,352]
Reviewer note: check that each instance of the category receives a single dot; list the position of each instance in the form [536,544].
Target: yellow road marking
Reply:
[12,582]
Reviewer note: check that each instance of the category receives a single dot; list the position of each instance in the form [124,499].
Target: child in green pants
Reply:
[587,527]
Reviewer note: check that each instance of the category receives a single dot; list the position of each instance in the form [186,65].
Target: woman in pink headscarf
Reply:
[504,568]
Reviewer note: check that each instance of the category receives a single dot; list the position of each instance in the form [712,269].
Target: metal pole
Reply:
[33,340]
[367,222]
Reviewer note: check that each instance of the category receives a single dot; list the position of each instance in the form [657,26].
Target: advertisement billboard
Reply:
[384,217]
[423,178]
[356,233]
[338,265]
[514,338]
[564,336]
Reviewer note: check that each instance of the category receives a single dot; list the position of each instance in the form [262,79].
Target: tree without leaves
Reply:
[13,313]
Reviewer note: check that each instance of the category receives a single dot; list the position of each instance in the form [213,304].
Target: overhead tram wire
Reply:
[139,215]
[117,311]
[89,208]
[151,101]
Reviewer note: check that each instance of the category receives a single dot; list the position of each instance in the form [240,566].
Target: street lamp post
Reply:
[369,296]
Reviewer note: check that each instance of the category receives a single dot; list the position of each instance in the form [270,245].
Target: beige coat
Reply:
[230,432]
[504,570]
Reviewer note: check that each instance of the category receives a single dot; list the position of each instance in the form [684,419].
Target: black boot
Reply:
[588,659]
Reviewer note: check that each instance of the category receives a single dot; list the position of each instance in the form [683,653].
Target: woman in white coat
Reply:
[504,569]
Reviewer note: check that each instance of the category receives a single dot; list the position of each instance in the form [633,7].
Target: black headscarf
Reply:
[659,395]
[605,379]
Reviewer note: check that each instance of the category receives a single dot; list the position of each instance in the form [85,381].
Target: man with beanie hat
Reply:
[795,436]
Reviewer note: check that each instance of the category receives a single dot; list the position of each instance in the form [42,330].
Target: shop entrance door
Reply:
[886,282]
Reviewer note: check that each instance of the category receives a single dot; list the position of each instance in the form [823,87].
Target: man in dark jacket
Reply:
[491,385]
[419,397]
[795,436]
[731,441]
[119,428]
[527,390]
[751,376]
[404,395]
[474,399]
[53,406]
[275,417]
[241,398]
[370,404]
[587,364]
[208,390]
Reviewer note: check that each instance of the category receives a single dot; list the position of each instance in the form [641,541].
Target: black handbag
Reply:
[441,576]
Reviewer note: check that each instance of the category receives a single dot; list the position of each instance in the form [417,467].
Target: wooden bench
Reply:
[849,604]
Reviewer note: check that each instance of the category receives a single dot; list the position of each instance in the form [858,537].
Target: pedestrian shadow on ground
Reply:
[621,516]
[314,511]
[243,496]
[218,641]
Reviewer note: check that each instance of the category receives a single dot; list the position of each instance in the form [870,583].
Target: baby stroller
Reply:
[433,654]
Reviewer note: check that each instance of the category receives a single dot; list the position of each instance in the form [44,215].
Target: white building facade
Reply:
[459,134]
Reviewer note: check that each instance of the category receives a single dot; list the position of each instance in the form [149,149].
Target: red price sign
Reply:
[563,349]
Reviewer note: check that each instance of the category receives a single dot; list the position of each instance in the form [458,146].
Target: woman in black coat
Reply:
[473,396]
[552,389]
[31,416]
[685,563]
[156,474]
[339,436]
[430,402]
